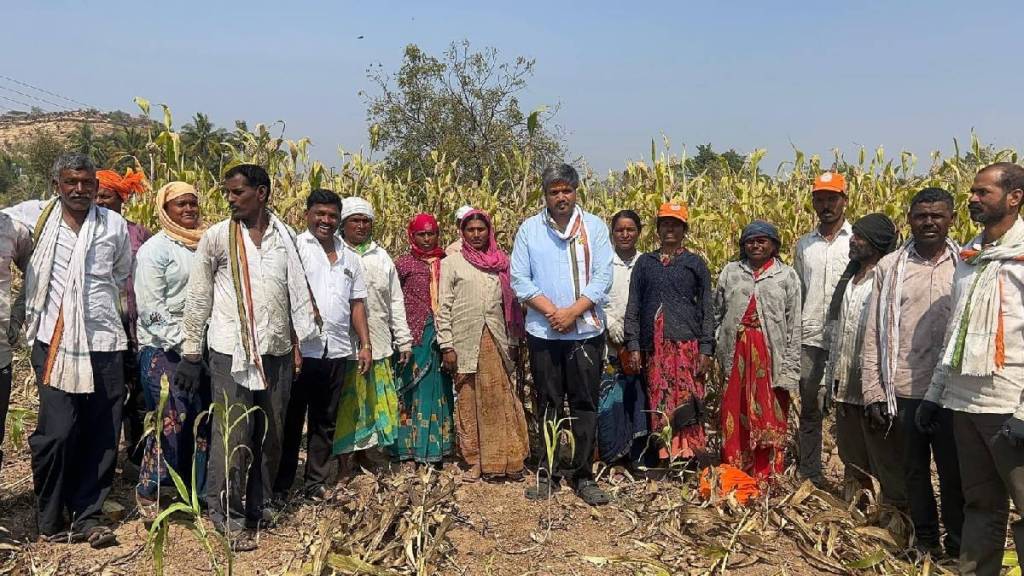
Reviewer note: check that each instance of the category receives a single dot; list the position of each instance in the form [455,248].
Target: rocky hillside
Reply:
[16,126]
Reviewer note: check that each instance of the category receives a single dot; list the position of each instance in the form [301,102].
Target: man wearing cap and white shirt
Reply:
[335,276]
[368,410]
[821,255]
[456,247]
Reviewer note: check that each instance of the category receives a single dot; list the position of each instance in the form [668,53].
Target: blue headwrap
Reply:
[759,228]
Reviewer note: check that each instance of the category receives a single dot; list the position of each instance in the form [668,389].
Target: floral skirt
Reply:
[622,428]
[672,383]
[182,445]
[368,408]
[425,430]
[754,415]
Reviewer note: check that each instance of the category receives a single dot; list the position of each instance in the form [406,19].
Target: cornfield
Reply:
[720,204]
[403,523]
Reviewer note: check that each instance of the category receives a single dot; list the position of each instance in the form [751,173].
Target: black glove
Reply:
[1013,429]
[926,417]
[187,375]
[878,416]
[828,402]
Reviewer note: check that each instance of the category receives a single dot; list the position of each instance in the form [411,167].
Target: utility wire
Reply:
[44,91]
[18,102]
[36,98]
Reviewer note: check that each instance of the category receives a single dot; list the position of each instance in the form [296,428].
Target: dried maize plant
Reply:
[720,203]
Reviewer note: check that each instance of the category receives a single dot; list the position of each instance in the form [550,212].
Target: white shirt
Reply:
[618,296]
[108,263]
[27,212]
[385,304]
[1003,391]
[211,294]
[819,264]
[844,365]
[162,268]
[334,288]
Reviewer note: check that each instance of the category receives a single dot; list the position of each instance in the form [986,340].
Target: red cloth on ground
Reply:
[730,480]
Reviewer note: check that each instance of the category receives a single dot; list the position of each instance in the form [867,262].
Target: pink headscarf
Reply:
[493,259]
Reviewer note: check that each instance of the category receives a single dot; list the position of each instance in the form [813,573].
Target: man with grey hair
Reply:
[562,270]
[82,255]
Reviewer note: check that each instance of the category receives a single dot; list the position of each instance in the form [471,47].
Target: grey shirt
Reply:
[777,291]
[16,249]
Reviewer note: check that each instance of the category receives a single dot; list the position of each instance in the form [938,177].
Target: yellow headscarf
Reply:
[168,192]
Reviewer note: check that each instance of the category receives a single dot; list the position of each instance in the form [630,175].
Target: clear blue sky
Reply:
[746,75]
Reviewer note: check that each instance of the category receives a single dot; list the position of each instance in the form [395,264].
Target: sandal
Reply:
[589,492]
[100,537]
[62,537]
[243,542]
[543,489]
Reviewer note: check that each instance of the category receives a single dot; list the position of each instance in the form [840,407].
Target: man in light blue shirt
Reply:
[562,270]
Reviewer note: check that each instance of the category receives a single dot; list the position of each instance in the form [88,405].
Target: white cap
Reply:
[461,212]
[352,206]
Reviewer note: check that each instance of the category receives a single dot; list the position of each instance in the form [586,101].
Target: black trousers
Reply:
[5,403]
[315,398]
[570,370]
[866,452]
[918,449]
[254,445]
[134,408]
[74,445]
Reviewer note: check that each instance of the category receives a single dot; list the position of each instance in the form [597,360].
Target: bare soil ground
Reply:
[431,522]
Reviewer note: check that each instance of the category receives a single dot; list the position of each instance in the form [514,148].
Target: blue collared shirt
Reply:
[540,266]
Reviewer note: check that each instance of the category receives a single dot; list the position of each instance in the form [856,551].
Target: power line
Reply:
[44,91]
[18,102]
[36,98]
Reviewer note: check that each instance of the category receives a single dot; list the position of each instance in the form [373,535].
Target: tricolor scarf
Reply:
[889,309]
[246,364]
[432,257]
[68,366]
[494,260]
[978,347]
[577,244]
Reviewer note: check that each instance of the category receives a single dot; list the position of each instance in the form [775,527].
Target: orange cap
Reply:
[675,209]
[830,182]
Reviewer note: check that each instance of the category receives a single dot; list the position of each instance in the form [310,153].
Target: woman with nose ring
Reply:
[757,310]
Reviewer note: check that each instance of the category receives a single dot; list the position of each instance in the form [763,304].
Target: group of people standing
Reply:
[915,346]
